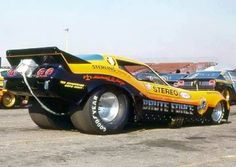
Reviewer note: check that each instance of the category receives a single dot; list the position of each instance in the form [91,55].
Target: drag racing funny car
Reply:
[99,94]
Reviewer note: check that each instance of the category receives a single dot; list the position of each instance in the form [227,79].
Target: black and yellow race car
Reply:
[99,93]
[222,81]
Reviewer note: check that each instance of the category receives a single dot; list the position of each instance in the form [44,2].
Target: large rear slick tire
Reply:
[46,120]
[105,112]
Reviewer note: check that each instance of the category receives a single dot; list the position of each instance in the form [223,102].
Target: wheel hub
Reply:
[108,107]
[217,113]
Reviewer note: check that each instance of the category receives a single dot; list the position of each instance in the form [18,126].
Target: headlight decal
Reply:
[203,105]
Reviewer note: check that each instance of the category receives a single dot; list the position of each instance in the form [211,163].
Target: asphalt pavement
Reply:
[22,143]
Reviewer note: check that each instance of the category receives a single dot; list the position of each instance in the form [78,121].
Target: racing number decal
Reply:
[111,61]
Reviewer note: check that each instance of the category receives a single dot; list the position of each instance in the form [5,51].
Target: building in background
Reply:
[185,67]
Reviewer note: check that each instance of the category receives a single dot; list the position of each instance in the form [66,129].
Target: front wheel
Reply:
[105,112]
[218,113]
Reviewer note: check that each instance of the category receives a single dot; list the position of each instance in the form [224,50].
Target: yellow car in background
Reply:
[7,99]
[100,93]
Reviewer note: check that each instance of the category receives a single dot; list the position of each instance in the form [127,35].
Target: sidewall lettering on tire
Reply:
[95,116]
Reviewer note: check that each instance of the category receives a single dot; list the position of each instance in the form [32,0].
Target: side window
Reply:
[140,72]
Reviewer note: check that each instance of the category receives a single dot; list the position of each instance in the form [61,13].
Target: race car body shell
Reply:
[75,78]
[150,90]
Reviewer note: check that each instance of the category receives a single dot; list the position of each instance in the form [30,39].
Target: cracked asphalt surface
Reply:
[22,143]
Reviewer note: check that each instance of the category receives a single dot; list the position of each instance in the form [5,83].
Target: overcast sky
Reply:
[146,30]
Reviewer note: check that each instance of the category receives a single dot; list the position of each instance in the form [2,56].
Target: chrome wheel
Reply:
[217,113]
[108,107]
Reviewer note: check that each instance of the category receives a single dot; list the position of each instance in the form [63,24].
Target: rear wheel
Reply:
[46,120]
[106,111]
[8,100]
[218,113]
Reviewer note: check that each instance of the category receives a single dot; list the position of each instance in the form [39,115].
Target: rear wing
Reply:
[50,55]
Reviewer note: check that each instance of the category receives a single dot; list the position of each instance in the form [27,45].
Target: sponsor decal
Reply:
[95,115]
[103,77]
[148,86]
[153,105]
[102,67]
[72,85]
[165,91]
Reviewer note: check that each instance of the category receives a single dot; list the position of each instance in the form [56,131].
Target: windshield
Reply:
[141,72]
[204,74]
